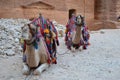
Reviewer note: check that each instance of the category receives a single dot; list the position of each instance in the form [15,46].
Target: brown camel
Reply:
[76,36]
[35,58]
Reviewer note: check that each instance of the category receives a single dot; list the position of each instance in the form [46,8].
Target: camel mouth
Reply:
[25,38]
[78,20]
[25,35]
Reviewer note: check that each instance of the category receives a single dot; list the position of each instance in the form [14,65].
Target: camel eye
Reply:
[33,29]
[78,16]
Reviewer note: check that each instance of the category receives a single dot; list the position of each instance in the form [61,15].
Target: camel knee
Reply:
[72,49]
[25,69]
[41,68]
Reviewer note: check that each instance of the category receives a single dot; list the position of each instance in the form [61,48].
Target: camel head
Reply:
[79,20]
[28,31]
[29,35]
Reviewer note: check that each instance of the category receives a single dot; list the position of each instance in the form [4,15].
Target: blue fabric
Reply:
[35,45]
[72,26]
[43,21]
[24,58]
[49,46]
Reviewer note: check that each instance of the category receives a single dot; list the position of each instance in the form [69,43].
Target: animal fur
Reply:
[34,56]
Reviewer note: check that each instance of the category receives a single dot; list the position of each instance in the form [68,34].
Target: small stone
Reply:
[1,52]
[1,47]
[16,40]
[109,71]
[10,52]
[8,46]
[11,79]
[10,37]
[102,32]
[61,33]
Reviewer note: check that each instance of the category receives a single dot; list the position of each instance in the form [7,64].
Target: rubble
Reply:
[60,28]
[10,32]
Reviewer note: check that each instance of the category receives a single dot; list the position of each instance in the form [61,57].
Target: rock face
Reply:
[58,10]
[107,9]
[10,32]
[106,14]
[54,9]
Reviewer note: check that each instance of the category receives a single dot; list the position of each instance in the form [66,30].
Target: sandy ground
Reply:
[101,61]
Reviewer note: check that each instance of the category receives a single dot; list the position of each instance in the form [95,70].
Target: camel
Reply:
[75,37]
[37,56]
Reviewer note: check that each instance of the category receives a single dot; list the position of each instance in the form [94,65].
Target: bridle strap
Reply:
[30,42]
[35,35]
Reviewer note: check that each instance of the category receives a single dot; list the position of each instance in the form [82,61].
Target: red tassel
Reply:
[49,61]
[84,47]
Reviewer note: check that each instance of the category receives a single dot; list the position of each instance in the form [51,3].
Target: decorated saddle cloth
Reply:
[50,35]
[85,34]
[70,30]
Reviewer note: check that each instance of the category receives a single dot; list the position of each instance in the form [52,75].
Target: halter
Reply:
[42,23]
[81,22]
[35,36]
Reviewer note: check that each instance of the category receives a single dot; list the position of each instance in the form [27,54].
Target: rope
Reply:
[66,52]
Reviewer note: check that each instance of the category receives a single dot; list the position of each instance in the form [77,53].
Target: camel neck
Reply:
[30,48]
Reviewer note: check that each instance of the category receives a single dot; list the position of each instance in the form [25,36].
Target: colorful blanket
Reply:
[70,28]
[48,31]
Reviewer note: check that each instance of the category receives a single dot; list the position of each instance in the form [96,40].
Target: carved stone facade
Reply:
[107,9]
[59,9]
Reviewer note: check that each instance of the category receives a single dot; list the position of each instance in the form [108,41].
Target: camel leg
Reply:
[80,48]
[72,49]
[41,68]
[25,69]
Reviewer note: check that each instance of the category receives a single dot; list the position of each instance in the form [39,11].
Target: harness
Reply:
[70,29]
[43,32]
[50,40]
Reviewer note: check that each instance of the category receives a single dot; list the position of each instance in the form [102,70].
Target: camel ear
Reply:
[23,26]
[29,26]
